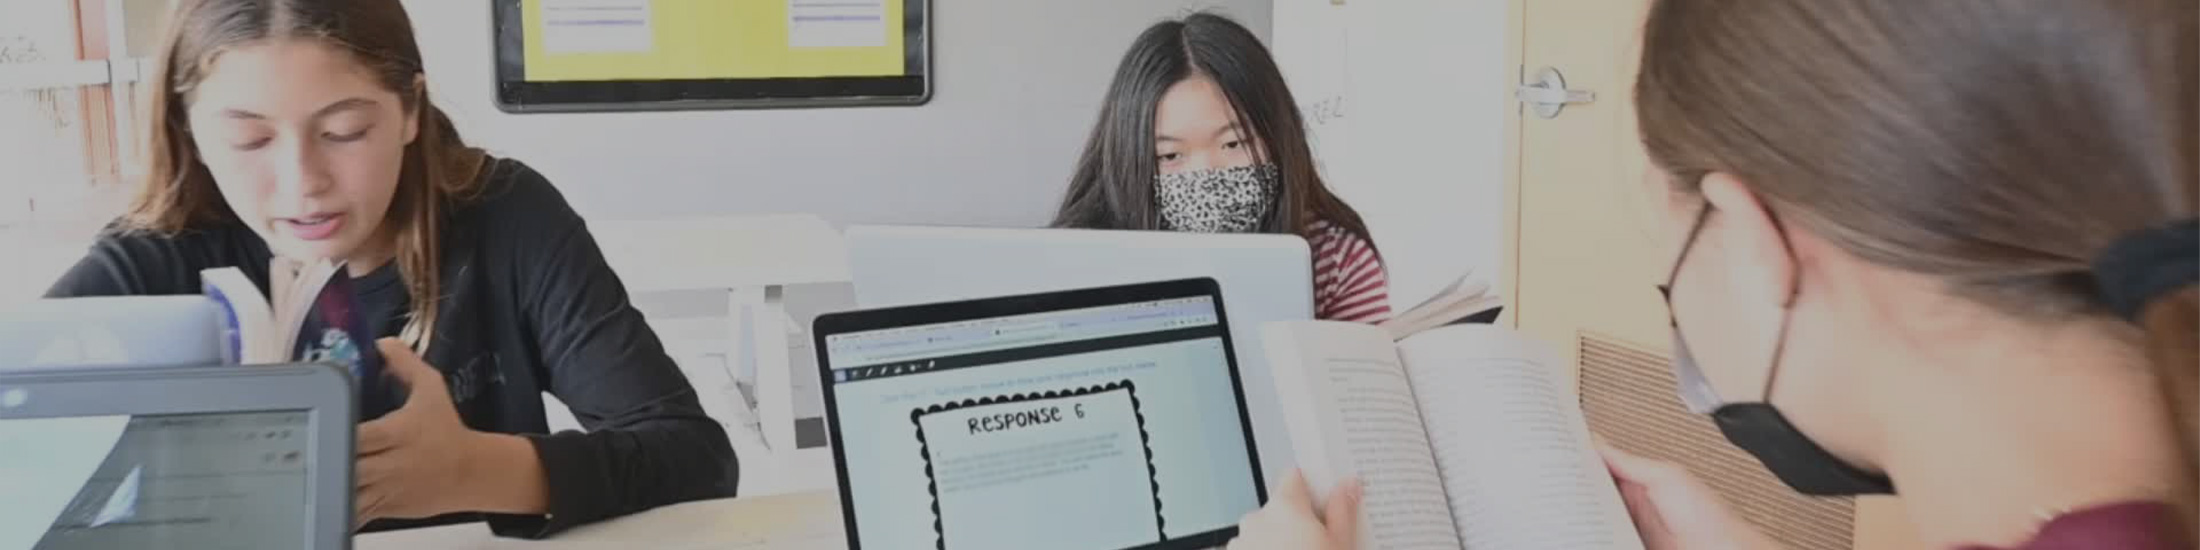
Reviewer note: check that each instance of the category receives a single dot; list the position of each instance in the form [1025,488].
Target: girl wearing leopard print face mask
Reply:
[1199,133]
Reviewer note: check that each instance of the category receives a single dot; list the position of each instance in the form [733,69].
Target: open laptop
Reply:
[1268,277]
[143,331]
[209,457]
[1101,419]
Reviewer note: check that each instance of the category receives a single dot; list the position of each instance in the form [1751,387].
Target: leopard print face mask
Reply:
[1221,200]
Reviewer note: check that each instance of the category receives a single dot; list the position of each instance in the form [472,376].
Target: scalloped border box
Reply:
[916,417]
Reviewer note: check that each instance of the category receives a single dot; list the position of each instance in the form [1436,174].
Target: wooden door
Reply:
[1590,243]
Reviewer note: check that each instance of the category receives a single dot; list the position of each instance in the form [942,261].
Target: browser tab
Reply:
[886,347]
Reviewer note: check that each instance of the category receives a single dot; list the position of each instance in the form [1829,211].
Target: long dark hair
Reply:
[1998,145]
[178,193]
[1113,186]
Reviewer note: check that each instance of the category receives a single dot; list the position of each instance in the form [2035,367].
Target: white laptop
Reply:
[1267,277]
[141,331]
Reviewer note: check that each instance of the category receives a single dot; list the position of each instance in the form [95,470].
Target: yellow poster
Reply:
[625,40]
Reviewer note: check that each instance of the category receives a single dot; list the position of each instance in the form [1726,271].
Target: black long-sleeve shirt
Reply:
[529,305]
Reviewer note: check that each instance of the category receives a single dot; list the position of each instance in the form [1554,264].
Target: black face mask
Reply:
[1759,428]
[1792,456]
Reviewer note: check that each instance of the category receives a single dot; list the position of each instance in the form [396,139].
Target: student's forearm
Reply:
[505,477]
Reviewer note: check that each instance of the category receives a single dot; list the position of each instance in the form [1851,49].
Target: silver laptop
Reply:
[143,331]
[212,457]
[1268,278]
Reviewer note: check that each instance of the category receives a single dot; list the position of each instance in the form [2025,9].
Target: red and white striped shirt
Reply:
[1349,282]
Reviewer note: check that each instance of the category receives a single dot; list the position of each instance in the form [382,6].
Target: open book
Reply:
[1466,300]
[311,315]
[1464,436]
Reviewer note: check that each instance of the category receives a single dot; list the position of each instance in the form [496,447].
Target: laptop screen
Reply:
[1097,428]
[228,480]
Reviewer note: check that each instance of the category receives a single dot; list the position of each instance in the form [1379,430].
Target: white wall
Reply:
[1017,86]
[1411,129]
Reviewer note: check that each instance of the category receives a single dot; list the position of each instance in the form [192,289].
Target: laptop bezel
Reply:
[324,392]
[833,324]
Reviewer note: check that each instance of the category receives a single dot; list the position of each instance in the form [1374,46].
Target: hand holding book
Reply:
[1674,510]
[1466,437]
[1288,521]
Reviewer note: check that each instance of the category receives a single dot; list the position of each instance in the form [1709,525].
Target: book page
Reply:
[304,294]
[1511,443]
[282,274]
[1351,412]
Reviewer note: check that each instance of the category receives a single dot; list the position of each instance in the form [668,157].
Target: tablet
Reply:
[1101,419]
[206,457]
[626,55]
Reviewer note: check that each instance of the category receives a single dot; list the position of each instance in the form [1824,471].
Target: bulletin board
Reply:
[627,55]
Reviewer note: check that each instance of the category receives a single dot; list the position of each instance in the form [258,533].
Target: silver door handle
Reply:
[1547,95]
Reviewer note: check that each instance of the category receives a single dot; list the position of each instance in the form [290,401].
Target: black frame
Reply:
[931,314]
[514,94]
[324,390]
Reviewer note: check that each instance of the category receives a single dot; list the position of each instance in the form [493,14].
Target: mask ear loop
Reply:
[1672,276]
[1779,347]
[1696,392]
[1787,312]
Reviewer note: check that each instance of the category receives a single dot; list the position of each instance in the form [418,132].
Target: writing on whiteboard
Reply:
[597,26]
[1324,111]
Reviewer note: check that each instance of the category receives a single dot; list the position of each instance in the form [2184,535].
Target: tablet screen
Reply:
[229,480]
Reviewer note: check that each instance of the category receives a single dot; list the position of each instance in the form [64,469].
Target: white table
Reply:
[796,521]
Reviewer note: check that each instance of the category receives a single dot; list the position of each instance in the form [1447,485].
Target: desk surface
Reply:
[797,521]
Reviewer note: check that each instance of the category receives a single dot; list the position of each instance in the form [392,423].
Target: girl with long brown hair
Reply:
[302,130]
[1946,247]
